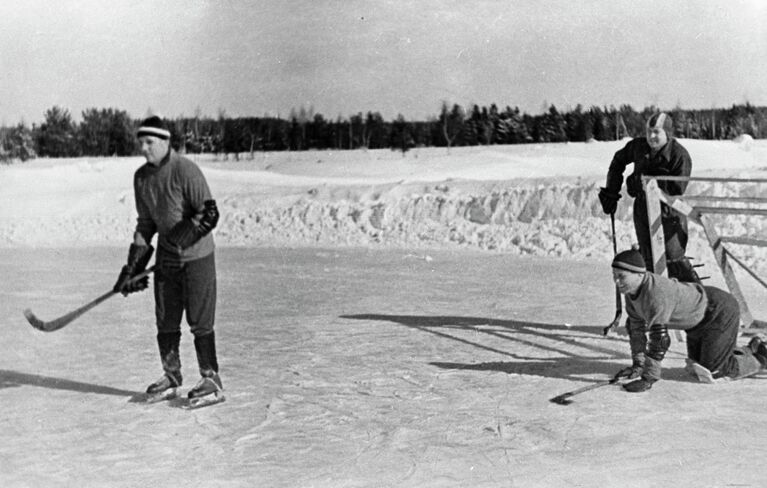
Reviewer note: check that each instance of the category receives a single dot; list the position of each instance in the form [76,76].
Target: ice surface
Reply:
[360,346]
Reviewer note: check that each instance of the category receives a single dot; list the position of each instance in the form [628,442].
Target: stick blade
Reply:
[563,399]
[44,326]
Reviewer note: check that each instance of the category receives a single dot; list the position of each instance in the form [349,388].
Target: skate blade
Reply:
[161,397]
[206,401]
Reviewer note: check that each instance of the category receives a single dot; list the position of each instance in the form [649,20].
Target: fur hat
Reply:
[661,120]
[153,126]
[630,260]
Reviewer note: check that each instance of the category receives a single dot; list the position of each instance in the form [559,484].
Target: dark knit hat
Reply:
[630,260]
[153,126]
[661,120]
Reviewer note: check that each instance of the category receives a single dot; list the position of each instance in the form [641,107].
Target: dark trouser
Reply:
[189,289]
[675,234]
[712,343]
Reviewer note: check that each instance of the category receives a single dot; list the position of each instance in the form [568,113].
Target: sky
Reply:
[343,57]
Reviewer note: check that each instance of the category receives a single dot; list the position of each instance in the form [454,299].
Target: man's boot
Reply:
[683,270]
[166,387]
[209,389]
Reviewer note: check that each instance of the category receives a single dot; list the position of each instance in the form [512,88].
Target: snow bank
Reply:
[531,199]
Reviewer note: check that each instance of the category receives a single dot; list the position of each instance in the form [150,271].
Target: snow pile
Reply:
[531,199]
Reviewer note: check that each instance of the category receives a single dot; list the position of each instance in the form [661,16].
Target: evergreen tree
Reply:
[57,136]
[17,143]
[451,122]
[106,132]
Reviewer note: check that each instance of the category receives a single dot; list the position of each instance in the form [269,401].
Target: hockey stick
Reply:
[64,320]
[618,301]
[564,398]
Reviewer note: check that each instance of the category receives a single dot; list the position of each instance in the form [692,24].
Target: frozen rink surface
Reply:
[359,368]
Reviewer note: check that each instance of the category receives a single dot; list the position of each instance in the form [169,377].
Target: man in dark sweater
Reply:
[173,201]
[656,154]
[709,316]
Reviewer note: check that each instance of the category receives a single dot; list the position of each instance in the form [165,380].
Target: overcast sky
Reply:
[341,57]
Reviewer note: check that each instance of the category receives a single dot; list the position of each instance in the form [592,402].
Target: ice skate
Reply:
[700,372]
[207,391]
[759,349]
[165,388]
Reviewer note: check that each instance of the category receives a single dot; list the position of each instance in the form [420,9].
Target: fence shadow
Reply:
[523,332]
[567,365]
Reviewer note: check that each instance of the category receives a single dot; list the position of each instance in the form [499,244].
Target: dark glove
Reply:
[608,200]
[634,185]
[168,262]
[639,385]
[185,233]
[138,258]
[209,218]
[630,372]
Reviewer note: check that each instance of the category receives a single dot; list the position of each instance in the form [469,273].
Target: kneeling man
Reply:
[709,316]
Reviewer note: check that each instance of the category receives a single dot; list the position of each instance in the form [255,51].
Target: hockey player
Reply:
[656,154]
[709,316]
[173,201]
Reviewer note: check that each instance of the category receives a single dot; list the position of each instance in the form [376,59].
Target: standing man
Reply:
[173,200]
[657,154]
[709,316]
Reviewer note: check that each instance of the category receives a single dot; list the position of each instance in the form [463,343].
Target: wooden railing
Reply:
[688,205]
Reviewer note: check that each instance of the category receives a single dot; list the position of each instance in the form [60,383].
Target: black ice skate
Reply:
[207,391]
[759,349]
[166,388]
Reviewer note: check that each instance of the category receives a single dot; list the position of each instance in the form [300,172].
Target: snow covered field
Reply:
[383,321]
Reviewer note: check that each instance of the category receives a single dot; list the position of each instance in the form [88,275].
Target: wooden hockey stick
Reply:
[564,398]
[64,320]
[618,299]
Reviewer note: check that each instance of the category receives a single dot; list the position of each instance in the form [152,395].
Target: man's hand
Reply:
[185,232]
[209,218]
[608,200]
[639,385]
[630,372]
[138,258]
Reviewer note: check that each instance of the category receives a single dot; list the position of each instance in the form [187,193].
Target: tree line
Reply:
[111,132]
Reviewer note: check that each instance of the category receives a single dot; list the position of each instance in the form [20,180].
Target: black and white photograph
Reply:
[383,243]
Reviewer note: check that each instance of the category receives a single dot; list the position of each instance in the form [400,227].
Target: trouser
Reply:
[712,343]
[675,240]
[187,288]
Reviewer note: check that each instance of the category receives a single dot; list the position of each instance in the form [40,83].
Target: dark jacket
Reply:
[672,160]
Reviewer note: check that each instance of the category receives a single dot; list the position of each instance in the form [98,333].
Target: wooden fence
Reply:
[698,209]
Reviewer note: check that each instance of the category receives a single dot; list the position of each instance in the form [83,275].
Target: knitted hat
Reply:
[153,126]
[630,260]
[661,120]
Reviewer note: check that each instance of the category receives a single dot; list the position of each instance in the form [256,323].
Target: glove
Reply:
[182,235]
[185,233]
[634,185]
[209,218]
[608,200]
[630,372]
[138,258]
[639,385]
[168,262]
